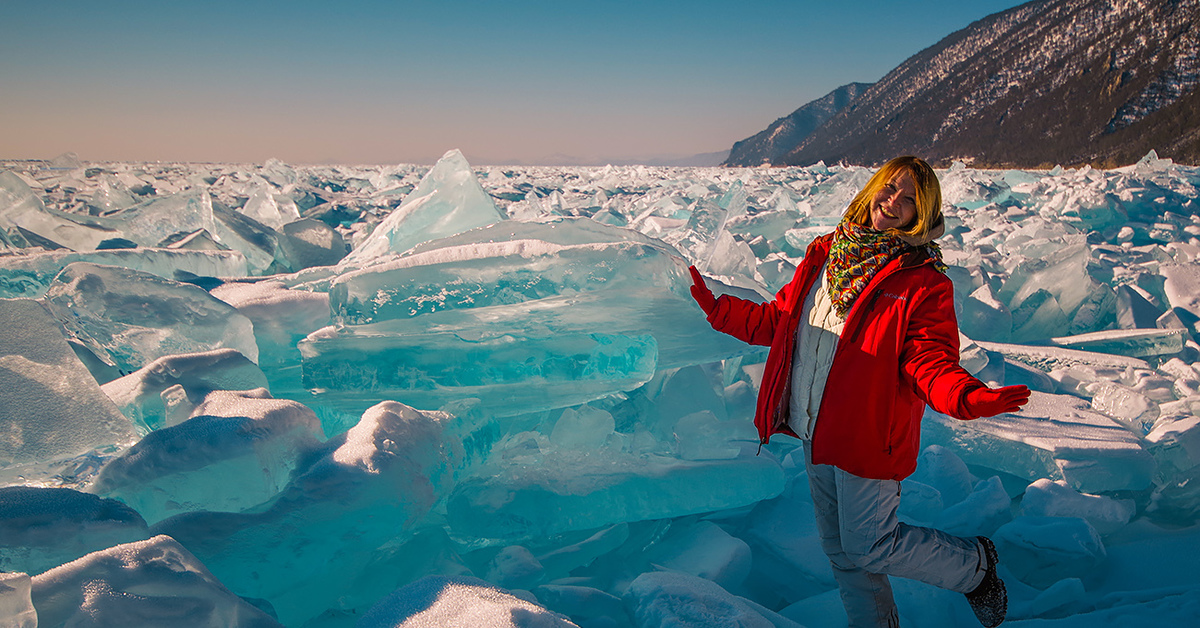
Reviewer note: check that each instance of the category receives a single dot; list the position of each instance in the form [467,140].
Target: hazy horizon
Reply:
[378,83]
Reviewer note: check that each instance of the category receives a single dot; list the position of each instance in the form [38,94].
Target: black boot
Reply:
[989,600]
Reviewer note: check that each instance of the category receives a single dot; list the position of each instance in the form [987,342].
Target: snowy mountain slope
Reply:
[1048,82]
[785,133]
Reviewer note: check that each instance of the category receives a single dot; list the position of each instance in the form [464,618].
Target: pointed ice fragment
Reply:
[1138,343]
[263,207]
[448,201]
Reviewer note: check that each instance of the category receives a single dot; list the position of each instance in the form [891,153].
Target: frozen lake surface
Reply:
[321,396]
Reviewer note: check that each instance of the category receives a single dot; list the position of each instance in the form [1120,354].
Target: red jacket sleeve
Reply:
[745,320]
[929,357]
[755,322]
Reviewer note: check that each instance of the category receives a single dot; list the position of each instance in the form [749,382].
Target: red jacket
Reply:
[898,351]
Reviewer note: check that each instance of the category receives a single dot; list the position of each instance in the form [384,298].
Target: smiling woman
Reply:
[862,338]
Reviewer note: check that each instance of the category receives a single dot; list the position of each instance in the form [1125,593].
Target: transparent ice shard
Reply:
[166,391]
[585,428]
[151,222]
[447,201]
[511,371]
[985,317]
[372,486]
[1053,436]
[1138,343]
[112,196]
[536,490]
[1175,444]
[308,242]
[282,317]
[615,299]
[236,452]
[1066,280]
[51,406]
[129,318]
[155,222]
[130,584]
[1126,405]
[42,528]
[28,275]
[263,207]
[21,208]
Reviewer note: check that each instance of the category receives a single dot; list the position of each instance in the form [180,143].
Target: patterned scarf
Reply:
[857,253]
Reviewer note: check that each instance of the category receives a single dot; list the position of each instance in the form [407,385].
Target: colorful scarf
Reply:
[857,253]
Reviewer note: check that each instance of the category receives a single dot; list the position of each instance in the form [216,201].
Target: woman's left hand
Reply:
[984,402]
[700,292]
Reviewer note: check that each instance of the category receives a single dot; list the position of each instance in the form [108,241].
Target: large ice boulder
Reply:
[530,488]
[282,317]
[563,312]
[237,452]
[41,528]
[369,487]
[23,211]
[437,601]
[166,391]
[155,582]
[664,598]
[50,406]
[1043,550]
[1056,499]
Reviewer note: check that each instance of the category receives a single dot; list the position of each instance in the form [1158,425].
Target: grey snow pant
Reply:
[865,542]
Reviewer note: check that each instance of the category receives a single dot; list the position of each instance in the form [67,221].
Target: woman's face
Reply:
[894,206]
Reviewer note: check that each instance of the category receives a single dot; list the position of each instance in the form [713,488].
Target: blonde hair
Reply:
[929,195]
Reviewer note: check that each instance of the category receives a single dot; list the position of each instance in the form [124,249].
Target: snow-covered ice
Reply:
[322,396]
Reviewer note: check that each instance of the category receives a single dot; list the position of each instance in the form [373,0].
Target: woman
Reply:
[861,340]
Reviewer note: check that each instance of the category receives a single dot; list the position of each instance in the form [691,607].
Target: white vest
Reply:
[816,341]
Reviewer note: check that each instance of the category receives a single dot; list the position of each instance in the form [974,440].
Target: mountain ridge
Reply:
[1068,82]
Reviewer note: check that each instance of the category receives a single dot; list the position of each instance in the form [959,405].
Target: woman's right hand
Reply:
[985,402]
[701,293]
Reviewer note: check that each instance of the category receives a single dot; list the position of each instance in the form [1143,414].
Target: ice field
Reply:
[325,396]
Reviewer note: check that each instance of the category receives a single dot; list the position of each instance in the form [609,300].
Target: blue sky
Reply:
[403,82]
